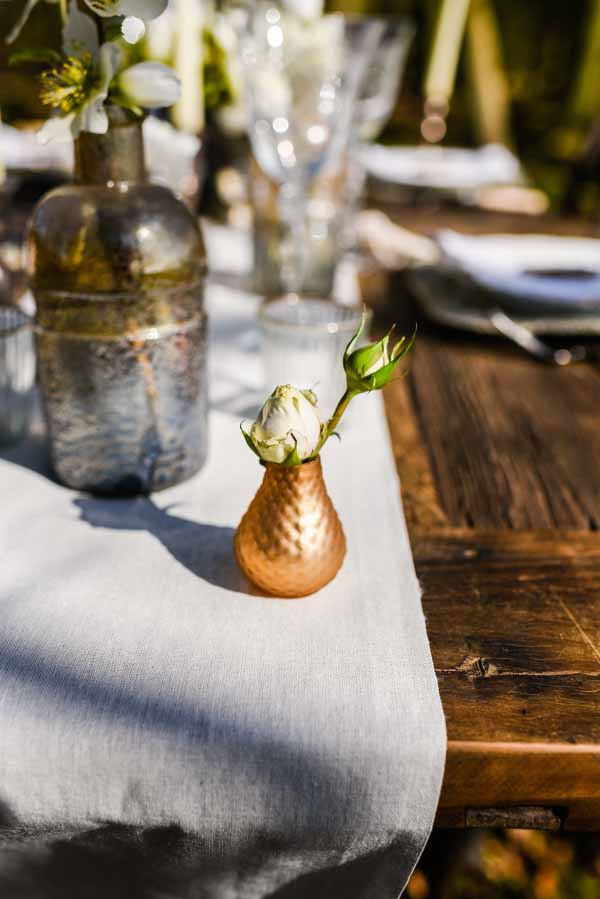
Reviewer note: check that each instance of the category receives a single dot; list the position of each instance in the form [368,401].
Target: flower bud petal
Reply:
[133,29]
[150,85]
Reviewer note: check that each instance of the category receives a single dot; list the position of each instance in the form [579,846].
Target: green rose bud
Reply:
[371,367]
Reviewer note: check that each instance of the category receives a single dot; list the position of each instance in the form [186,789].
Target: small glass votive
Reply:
[17,373]
[303,343]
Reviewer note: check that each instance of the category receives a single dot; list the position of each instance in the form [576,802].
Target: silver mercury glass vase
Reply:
[118,266]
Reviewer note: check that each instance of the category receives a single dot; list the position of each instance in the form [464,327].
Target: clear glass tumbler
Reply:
[17,373]
[303,344]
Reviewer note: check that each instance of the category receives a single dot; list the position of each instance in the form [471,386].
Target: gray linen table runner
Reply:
[165,730]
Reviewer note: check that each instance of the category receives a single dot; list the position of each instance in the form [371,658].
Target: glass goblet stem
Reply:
[293,200]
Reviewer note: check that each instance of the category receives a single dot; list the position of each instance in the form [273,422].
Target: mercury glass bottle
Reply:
[118,266]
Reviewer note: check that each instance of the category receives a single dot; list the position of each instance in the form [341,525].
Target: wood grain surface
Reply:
[499,461]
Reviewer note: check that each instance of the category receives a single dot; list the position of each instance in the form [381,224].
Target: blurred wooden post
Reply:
[488,81]
[188,113]
[489,84]
[2,166]
[585,101]
[445,51]
[441,71]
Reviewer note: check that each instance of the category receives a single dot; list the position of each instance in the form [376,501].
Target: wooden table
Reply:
[499,458]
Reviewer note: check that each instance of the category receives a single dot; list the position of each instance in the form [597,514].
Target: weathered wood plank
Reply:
[561,777]
[530,817]
[508,442]
[514,625]
[421,505]
[536,548]
[512,443]
[498,459]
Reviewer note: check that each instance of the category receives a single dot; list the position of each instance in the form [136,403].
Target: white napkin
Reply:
[442,168]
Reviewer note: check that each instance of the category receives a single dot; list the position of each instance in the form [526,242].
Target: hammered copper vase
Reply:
[117,265]
[290,542]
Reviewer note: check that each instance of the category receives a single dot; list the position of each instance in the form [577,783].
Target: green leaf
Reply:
[361,360]
[112,31]
[400,350]
[218,88]
[353,340]
[292,458]
[382,377]
[118,99]
[35,55]
[249,440]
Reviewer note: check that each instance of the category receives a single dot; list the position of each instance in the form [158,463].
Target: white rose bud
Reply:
[288,428]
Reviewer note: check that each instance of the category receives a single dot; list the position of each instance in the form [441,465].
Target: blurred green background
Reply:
[528,75]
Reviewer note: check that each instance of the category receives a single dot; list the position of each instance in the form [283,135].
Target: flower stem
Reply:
[102,26]
[335,418]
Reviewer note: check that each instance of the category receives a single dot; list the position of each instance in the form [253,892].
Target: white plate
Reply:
[530,272]
[449,302]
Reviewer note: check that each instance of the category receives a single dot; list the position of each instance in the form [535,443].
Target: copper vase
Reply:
[290,542]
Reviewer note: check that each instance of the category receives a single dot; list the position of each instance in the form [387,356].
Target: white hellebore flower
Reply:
[141,9]
[78,86]
[288,428]
[20,23]
[149,85]
[136,12]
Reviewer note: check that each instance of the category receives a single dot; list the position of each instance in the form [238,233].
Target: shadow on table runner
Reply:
[115,861]
[32,454]
[119,862]
[204,549]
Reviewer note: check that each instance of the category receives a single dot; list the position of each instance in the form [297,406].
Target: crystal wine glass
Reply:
[302,79]
[375,101]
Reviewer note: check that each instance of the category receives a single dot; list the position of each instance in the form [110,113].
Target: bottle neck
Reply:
[116,156]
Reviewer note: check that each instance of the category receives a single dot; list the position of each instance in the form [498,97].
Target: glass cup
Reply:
[374,104]
[272,243]
[303,343]
[17,373]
